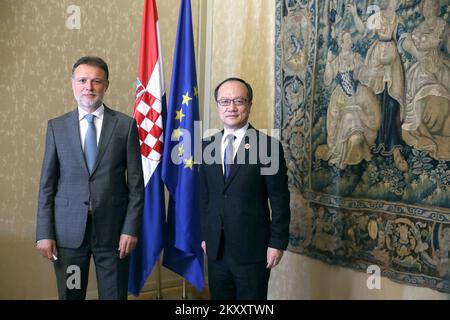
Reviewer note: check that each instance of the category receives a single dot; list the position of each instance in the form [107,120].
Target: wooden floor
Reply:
[175,293]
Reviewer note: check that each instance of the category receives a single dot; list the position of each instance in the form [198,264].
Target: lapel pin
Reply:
[247,146]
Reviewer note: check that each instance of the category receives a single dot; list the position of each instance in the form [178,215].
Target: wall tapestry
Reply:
[363,104]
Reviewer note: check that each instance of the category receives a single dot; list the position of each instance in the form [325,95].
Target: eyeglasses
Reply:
[227,102]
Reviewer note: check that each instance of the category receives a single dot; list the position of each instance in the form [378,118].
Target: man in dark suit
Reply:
[243,238]
[91,189]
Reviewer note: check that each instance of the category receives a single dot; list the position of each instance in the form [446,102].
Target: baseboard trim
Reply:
[149,287]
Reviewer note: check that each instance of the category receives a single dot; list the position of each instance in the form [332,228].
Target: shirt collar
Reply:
[98,113]
[239,133]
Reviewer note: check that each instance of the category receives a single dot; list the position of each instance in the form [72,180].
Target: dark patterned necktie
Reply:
[228,156]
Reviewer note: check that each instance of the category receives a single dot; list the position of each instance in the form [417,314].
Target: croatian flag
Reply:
[149,112]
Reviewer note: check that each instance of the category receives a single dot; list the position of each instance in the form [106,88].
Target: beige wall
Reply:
[36,53]
[300,277]
[242,46]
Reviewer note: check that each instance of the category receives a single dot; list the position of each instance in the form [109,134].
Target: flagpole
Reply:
[159,295]
[184,296]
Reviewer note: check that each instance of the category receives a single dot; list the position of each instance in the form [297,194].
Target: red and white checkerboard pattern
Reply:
[150,125]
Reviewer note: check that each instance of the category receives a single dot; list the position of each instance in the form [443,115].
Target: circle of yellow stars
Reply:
[177,133]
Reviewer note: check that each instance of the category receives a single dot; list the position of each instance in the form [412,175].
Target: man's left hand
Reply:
[127,244]
[273,257]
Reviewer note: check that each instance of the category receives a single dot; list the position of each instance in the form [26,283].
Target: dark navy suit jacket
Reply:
[239,207]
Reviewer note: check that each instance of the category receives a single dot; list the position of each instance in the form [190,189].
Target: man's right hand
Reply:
[47,247]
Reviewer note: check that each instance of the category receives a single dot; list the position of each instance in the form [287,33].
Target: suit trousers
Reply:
[230,280]
[72,269]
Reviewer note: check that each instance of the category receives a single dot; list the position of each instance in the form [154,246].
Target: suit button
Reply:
[225,196]
[86,203]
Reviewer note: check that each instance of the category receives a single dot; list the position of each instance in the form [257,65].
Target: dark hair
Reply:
[92,61]
[248,86]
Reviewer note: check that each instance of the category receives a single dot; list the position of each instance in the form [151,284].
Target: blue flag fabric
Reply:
[182,251]
[150,244]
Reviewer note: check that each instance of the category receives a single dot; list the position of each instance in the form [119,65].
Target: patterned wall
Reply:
[363,101]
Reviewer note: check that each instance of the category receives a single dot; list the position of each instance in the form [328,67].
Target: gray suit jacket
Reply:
[115,189]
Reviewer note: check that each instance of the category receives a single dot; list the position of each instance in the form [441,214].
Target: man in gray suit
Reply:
[91,189]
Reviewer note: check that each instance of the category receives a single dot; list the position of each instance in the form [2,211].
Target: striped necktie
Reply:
[228,156]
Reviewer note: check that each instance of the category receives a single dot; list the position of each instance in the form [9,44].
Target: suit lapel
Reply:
[237,166]
[109,123]
[73,123]
[216,167]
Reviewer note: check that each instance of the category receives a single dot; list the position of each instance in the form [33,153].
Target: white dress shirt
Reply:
[98,122]
[239,134]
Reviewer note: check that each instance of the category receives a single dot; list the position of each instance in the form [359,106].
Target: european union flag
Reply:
[182,252]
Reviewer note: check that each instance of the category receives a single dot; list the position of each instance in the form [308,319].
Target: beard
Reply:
[89,103]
